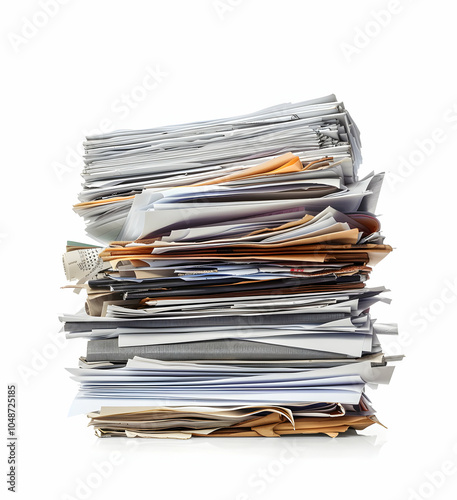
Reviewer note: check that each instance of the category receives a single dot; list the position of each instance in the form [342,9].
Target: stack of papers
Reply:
[232,299]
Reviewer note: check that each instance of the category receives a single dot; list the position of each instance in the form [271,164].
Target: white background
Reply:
[214,59]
